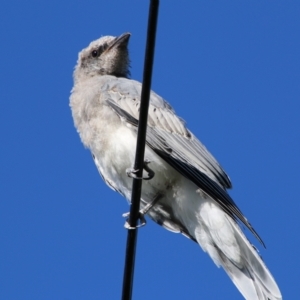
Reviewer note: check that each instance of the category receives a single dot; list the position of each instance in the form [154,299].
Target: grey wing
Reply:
[125,94]
[168,136]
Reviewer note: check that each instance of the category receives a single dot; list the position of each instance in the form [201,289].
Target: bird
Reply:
[187,191]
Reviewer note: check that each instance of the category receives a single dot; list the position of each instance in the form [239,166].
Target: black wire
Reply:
[140,151]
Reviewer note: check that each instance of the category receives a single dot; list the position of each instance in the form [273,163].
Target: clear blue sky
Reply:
[229,68]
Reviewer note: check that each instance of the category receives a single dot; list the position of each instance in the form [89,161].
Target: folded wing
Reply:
[168,136]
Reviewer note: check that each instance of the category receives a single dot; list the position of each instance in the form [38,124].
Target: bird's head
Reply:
[105,56]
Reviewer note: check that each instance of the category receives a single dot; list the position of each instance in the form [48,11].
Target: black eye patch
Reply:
[97,52]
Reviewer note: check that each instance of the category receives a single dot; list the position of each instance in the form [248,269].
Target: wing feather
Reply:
[168,136]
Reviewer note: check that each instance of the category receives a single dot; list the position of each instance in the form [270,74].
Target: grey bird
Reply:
[188,191]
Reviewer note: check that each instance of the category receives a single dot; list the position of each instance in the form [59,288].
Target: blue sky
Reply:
[229,68]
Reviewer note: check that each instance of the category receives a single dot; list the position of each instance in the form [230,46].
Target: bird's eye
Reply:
[95,53]
[98,52]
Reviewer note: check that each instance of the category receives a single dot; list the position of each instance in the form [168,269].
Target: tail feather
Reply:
[229,248]
[243,280]
[254,276]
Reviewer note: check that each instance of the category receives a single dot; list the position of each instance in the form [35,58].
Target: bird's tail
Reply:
[253,279]
[229,248]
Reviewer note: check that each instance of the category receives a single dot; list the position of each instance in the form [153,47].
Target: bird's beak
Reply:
[120,41]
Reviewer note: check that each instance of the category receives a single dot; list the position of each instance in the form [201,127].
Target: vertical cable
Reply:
[140,151]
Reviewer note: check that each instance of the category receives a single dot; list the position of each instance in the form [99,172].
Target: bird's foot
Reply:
[141,220]
[132,173]
[142,213]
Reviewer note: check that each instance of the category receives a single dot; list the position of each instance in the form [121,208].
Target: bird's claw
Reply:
[132,173]
[142,213]
[151,173]
[141,219]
